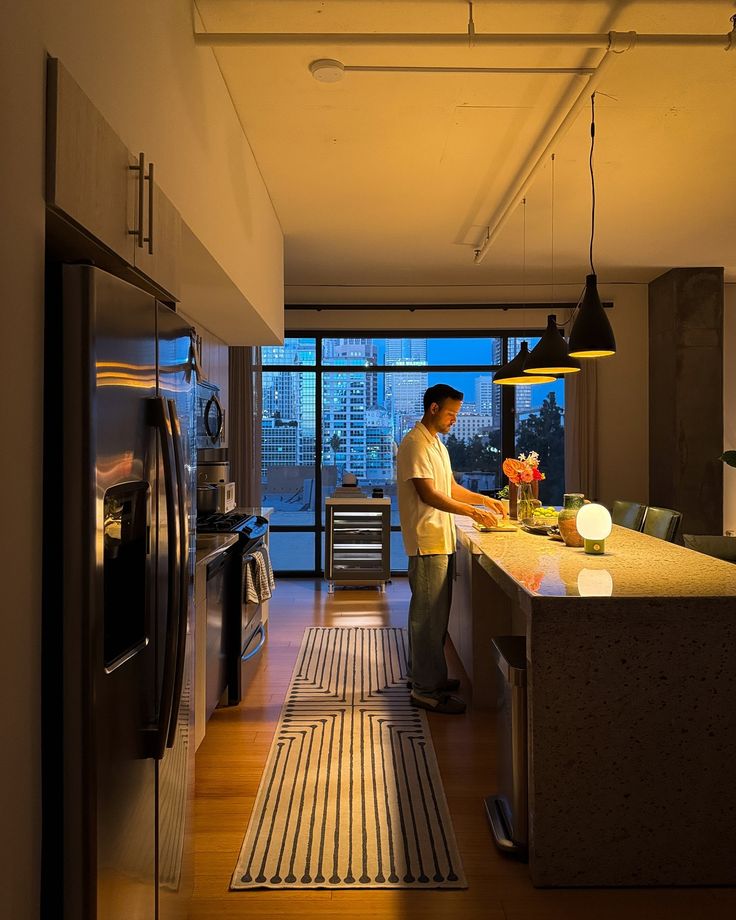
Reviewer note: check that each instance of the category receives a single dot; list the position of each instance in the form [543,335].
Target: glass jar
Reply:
[572,502]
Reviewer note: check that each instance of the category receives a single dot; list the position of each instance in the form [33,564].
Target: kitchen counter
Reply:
[631,675]
[634,565]
[210,545]
[265,512]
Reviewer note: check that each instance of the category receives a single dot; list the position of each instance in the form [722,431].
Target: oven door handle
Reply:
[257,649]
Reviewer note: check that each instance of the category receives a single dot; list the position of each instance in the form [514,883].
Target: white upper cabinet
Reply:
[94,180]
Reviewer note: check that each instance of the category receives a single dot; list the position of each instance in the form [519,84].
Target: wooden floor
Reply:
[231,759]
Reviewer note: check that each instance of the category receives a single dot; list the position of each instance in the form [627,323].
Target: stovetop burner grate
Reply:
[230,522]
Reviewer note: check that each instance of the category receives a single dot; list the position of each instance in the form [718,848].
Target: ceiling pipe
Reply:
[538,156]
[604,40]
[359,68]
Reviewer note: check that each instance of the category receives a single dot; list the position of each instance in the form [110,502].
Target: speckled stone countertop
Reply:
[261,512]
[634,565]
[631,695]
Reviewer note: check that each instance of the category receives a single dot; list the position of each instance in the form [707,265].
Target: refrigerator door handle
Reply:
[161,420]
[181,637]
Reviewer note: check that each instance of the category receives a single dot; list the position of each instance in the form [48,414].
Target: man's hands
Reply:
[483,516]
[495,505]
[489,514]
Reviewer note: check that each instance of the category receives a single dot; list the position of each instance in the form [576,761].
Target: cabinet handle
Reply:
[149,239]
[138,232]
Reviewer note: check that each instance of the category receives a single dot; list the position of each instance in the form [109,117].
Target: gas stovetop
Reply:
[247,526]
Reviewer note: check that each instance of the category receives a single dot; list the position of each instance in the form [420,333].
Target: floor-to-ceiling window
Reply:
[334,405]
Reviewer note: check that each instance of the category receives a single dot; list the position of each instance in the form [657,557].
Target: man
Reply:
[428,497]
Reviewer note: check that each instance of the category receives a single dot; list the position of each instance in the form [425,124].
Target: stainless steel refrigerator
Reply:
[122,578]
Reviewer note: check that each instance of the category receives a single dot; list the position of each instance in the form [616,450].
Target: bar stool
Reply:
[628,514]
[662,523]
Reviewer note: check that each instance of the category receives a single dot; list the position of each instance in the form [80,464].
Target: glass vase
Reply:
[525,503]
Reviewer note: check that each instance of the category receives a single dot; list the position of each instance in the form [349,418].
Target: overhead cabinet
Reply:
[110,193]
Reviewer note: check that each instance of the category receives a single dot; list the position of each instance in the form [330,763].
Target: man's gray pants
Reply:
[430,580]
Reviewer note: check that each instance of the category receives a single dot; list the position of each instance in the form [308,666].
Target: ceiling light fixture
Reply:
[512,373]
[326,70]
[550,355]
[591,335]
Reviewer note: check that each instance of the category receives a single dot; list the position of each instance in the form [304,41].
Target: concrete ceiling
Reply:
[387,181]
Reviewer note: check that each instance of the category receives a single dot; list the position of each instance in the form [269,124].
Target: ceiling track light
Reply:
[591,335]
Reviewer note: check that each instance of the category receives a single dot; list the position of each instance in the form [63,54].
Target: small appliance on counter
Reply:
[216,497]
[213,465]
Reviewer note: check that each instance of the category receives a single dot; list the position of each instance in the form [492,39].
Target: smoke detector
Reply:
[326,70]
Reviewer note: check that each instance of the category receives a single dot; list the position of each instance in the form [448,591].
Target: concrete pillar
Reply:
[686,396]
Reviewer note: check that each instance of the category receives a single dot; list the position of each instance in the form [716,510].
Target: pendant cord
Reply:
[552,233]
[592,178]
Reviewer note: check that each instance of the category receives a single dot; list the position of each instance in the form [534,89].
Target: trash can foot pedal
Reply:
[496,812]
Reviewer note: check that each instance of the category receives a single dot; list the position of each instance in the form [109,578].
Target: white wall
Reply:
[21,268]
[139,64]
[622,381]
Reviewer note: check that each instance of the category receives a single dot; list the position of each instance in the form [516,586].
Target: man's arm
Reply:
[460,493]
[430,496]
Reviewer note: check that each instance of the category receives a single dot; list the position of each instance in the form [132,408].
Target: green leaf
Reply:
[729,457]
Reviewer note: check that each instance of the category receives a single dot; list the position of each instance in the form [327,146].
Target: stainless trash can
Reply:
[508,810]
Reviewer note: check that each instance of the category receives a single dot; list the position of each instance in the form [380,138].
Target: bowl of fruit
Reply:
[545,515]
[544,523]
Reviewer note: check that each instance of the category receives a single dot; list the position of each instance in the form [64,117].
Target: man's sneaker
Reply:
[449,686]
[447,705]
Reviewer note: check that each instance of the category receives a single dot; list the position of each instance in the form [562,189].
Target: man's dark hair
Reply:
[439,393]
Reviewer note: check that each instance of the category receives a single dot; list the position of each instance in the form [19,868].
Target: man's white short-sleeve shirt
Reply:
[425,530]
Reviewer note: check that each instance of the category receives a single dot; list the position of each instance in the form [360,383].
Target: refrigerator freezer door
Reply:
[176,769]
[109,699]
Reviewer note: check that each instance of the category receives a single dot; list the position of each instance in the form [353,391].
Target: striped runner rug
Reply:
[351,795]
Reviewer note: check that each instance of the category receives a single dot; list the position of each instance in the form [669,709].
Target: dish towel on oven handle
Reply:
[258,580]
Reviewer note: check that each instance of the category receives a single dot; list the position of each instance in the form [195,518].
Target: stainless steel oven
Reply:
[244,632]
[248,631]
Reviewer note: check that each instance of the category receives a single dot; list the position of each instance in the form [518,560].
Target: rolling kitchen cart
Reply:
[358,541]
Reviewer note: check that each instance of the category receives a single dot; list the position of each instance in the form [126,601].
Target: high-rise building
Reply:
[522,394]
[404,390]
[347,395]
[406,351]
[469,425]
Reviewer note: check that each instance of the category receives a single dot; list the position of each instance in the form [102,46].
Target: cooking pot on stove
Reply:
[207,497]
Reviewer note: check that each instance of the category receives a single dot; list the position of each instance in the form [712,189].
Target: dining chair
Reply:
[661,522]
[628,514]
[712,545]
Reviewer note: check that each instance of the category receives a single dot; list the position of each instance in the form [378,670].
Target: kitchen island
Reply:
[631,667]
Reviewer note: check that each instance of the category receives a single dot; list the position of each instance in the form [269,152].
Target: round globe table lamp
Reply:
[594,525]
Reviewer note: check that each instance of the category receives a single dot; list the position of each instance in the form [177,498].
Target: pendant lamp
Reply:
[549,355]
[513,372]
[591,335]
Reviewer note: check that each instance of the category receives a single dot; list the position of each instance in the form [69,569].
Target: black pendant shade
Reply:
[550,355]
[513,372]
[591,335]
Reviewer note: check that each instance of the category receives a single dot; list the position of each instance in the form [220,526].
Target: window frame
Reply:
[508,421]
